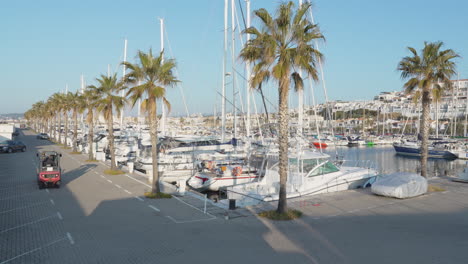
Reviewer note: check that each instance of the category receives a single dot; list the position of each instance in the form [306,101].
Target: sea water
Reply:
[385,160]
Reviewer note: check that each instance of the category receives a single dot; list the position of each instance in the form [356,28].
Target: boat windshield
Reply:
[316,167]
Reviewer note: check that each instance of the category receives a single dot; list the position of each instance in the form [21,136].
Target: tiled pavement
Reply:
[95,218]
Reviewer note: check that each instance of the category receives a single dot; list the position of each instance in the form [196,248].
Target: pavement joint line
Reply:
[19,185]
[33,250]
[52,202]
[172,196]
[137,180]
[190,221]
[59,215]
[127,191]
[214,217]
[30,223]
[18,196]
[118,186]
[154,208]
[180,200]
[28,206]
[70,238]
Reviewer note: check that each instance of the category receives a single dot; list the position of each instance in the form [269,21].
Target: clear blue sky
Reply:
[47,44]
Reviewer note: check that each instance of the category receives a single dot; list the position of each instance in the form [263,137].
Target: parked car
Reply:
[16,133]
[11,146]
[42,136]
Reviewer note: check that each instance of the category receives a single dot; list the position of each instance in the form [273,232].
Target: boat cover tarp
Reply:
[400,185]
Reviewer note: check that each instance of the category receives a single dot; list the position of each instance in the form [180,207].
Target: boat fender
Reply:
[237,171]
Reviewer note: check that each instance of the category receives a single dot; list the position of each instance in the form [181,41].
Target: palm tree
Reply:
[37,116]
[88,103]
[155,74]
[74,104]
[107,104]
[280,50]
[425,72]
[57,104]
[53,108]
[66,110]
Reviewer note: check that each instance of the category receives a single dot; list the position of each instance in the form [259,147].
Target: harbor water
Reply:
[385,160]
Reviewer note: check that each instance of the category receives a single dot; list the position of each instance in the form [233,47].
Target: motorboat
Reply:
[437,150]
[178,155]
[309,172]
[354,140]
[220,172]
[319,144]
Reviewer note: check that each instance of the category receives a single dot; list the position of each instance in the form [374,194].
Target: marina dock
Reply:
[95,217]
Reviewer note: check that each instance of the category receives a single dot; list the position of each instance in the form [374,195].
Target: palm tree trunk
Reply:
[75,129]
[110,127]
[283,144]
[90,135]
[153,122]
[426,103]
[59,128]
[66,128]
[55,127]
[264,103]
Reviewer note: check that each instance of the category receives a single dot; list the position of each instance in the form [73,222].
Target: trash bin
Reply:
[232,204]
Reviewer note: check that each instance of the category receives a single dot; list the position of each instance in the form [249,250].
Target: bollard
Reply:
[204,209]
[130,166]
[182,186]
[101,156]
[232,204]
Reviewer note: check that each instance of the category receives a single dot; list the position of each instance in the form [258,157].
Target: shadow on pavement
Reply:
[111,227]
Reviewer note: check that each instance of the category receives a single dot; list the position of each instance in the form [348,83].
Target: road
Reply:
[97,218]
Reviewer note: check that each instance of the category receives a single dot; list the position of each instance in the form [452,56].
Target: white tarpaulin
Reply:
[400,185]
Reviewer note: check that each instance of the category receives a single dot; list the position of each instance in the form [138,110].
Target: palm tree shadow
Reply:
[71,175]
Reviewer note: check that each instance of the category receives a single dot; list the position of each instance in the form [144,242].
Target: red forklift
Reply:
[49,173]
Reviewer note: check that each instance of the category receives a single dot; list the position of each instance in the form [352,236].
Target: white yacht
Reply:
[220,171]
[178,155]
[309,173]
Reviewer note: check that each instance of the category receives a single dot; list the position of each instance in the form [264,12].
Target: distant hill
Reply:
[11,116]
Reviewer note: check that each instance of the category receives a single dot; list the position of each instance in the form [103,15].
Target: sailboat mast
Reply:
[223,90]
[456,106]
[233,65]
[163,116]
[82,92]
[139,106]
[300,107]
[466,107]
[324,86]
[247,73]
[123,76]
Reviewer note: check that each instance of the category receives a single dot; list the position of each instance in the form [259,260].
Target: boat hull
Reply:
[416,152]
[320,145]
[205,182]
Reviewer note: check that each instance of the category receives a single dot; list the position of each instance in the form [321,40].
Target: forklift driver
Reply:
[49,161]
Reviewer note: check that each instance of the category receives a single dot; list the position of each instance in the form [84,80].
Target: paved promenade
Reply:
[98,218]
